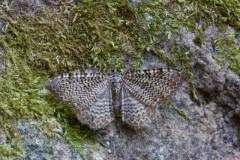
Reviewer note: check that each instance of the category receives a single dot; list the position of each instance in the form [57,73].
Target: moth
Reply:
[98,98]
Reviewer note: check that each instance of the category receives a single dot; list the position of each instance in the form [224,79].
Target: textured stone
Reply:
[39,146]
[212,129]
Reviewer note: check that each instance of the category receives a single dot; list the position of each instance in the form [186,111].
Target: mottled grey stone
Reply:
[2,65]
[212,129]
[3,138]
[39,146]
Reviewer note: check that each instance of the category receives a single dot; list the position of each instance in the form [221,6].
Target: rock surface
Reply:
[39,146]
[210,131]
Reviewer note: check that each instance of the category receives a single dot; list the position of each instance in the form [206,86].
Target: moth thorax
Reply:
[116,78]
[116,92]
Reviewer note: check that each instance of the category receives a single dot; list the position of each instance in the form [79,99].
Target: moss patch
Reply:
[88,34]
[229,51]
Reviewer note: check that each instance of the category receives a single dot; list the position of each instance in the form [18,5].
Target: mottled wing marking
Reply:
[146,89]
[134,111]
[154,85]
[89,93]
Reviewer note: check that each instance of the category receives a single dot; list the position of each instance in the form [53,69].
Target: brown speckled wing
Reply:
[141,92]
[144,90]
[89,93]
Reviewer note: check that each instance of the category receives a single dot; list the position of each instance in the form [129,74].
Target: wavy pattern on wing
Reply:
[154,85]
[89,93]
[133,111]
[143,91]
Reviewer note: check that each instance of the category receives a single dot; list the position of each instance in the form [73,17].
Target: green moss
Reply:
[228,49]
[90,34]
[10,147]
[181,57]
[205,13]
[181,112]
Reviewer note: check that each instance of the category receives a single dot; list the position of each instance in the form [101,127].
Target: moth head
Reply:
[116,77]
